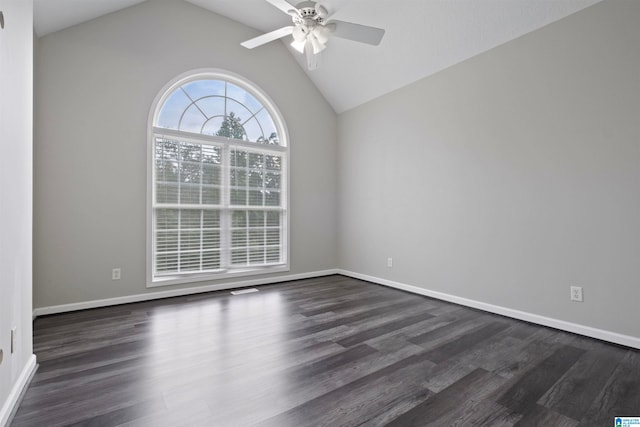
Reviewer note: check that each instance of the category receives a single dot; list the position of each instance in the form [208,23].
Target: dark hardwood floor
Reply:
[331,351]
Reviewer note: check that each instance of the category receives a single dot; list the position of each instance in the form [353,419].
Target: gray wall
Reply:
[94,86]
[509,177]
[16,106]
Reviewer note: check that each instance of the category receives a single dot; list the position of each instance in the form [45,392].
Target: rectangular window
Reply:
[217,208]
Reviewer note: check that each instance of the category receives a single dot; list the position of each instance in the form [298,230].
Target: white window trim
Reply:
[152,132]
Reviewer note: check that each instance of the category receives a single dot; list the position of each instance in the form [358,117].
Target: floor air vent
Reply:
[244,291]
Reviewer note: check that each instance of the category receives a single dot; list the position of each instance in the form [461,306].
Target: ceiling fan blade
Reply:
[268,37]
[357,32]
[321,11]
[283,5]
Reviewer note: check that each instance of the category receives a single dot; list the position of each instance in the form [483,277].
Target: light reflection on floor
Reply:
[204,352]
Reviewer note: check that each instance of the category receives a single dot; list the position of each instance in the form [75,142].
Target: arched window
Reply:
[217,187]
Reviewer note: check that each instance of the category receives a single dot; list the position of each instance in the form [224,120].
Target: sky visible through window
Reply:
[202,106]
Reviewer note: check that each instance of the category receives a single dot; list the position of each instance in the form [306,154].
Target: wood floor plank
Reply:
[470,404]
[353,302]
[525,356]
[522,396]
[620,397]
[489,413]
[383,329]
[448,401]
[321,410]
[541,416]
[352,318]
[462,322]
[290,395]
[331,362]
[393,409]
[465,342]
[124,415]
[499,346]
[578,388]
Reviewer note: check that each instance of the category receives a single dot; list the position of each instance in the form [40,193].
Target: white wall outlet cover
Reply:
[576,293]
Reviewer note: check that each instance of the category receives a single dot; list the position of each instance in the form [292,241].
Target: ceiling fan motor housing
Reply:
[308,11]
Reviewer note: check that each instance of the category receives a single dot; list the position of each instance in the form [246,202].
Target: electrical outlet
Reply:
[389,262]
[576,293]
[13,340]
[115,274]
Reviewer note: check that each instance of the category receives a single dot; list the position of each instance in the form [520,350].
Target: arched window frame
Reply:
[282,148]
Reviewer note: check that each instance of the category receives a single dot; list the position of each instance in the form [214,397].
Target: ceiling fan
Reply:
[311,30]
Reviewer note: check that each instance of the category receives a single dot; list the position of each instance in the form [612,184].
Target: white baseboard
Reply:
[16,391]
[575,328]
[42,311]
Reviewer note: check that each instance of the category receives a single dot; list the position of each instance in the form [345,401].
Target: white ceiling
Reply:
[54,15]
[422,36]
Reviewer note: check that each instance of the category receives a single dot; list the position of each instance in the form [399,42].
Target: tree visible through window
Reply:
[218,184]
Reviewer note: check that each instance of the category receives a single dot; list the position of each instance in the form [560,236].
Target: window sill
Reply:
[208,277]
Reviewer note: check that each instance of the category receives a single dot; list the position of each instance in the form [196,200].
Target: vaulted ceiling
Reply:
[422,36]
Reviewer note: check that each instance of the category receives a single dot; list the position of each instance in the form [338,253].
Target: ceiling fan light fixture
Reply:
[322,34]
[317,46]
[298,34]
[299,45]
